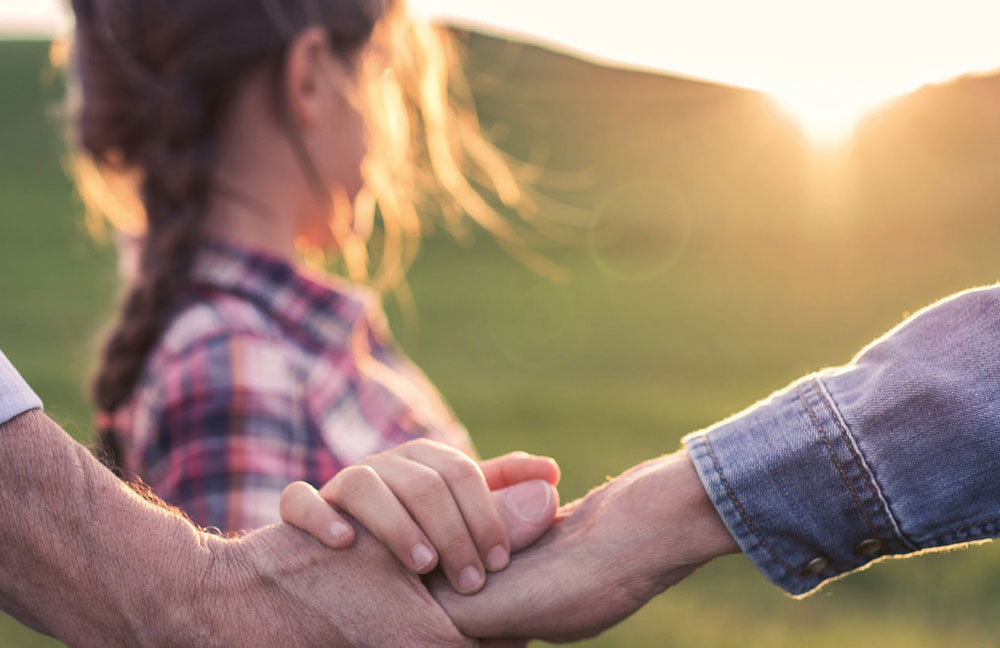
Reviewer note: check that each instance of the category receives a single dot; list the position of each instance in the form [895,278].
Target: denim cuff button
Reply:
[815,566]
[869,547]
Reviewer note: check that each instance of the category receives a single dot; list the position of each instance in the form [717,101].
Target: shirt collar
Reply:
[326,308]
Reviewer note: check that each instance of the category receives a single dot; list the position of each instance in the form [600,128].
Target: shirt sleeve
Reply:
[894,453]
[15,396]
[220,431]
[386,367]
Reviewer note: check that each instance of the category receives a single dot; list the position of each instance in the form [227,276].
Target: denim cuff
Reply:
[793,488]
[15,396]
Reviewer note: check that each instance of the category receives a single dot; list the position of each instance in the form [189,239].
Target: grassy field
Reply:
[715,258]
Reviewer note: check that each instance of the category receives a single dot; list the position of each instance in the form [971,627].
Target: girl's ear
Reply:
[305,66]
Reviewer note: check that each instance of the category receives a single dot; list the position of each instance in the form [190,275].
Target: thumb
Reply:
[528,509]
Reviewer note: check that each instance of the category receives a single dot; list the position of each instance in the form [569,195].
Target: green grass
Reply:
[712,276]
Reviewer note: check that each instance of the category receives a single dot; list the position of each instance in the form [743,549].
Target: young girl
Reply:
[242,133]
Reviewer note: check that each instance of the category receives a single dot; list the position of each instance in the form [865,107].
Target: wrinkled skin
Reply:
[357,597]
[606,556]
[361,596]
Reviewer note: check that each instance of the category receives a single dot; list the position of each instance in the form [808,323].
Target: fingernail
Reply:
[497,558]
[469,578]
[338,530]
[529,500]
[422,556]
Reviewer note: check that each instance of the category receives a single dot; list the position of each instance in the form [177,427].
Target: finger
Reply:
[528,509]
[472,495]
[361,491]
[503,643]
[517,467]
[426,496]
[302,507]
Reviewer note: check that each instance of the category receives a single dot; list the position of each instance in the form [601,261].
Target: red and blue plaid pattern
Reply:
[265,377]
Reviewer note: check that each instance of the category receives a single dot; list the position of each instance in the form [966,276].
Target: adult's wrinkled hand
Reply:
[606,556]
[361,596]
[287,589]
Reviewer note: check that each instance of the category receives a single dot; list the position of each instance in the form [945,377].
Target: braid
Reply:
[174,191]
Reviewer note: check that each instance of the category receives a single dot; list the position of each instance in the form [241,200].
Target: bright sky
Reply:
[826,61]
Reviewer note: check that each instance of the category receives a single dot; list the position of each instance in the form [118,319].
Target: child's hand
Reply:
[427,502]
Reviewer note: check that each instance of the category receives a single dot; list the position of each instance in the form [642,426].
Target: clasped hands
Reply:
[435,513]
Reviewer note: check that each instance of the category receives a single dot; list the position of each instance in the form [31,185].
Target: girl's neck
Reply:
[240,220]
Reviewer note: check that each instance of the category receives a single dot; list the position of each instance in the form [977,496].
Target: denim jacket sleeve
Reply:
[15,395]
[896,452]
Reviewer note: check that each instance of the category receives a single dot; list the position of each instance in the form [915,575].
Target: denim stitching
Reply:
[739,507]
[843,432]
[830,403]
[962,530]
[843,475]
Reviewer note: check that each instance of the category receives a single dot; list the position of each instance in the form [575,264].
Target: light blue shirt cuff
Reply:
[893,453]
[787,480]
[15,396]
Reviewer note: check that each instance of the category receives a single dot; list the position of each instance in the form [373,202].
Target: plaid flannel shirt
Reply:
[265,377]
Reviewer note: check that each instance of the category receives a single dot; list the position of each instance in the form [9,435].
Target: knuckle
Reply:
[459,550]
[419,443]
[426,486]
[407,534]
[292,499]
[491,531]
[460,469]
[356,478]
[294,490]
[427,447]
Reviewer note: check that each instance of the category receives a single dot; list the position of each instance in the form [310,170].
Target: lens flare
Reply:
[640,231]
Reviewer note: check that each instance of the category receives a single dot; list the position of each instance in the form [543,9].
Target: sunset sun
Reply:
[827,115]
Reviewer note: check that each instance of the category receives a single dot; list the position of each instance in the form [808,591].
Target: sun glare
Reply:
[827,117]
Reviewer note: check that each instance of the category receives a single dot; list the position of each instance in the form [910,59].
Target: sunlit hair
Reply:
[428,156]
[150,80]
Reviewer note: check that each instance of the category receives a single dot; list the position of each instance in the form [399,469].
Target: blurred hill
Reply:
[739,161]
[734,157]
